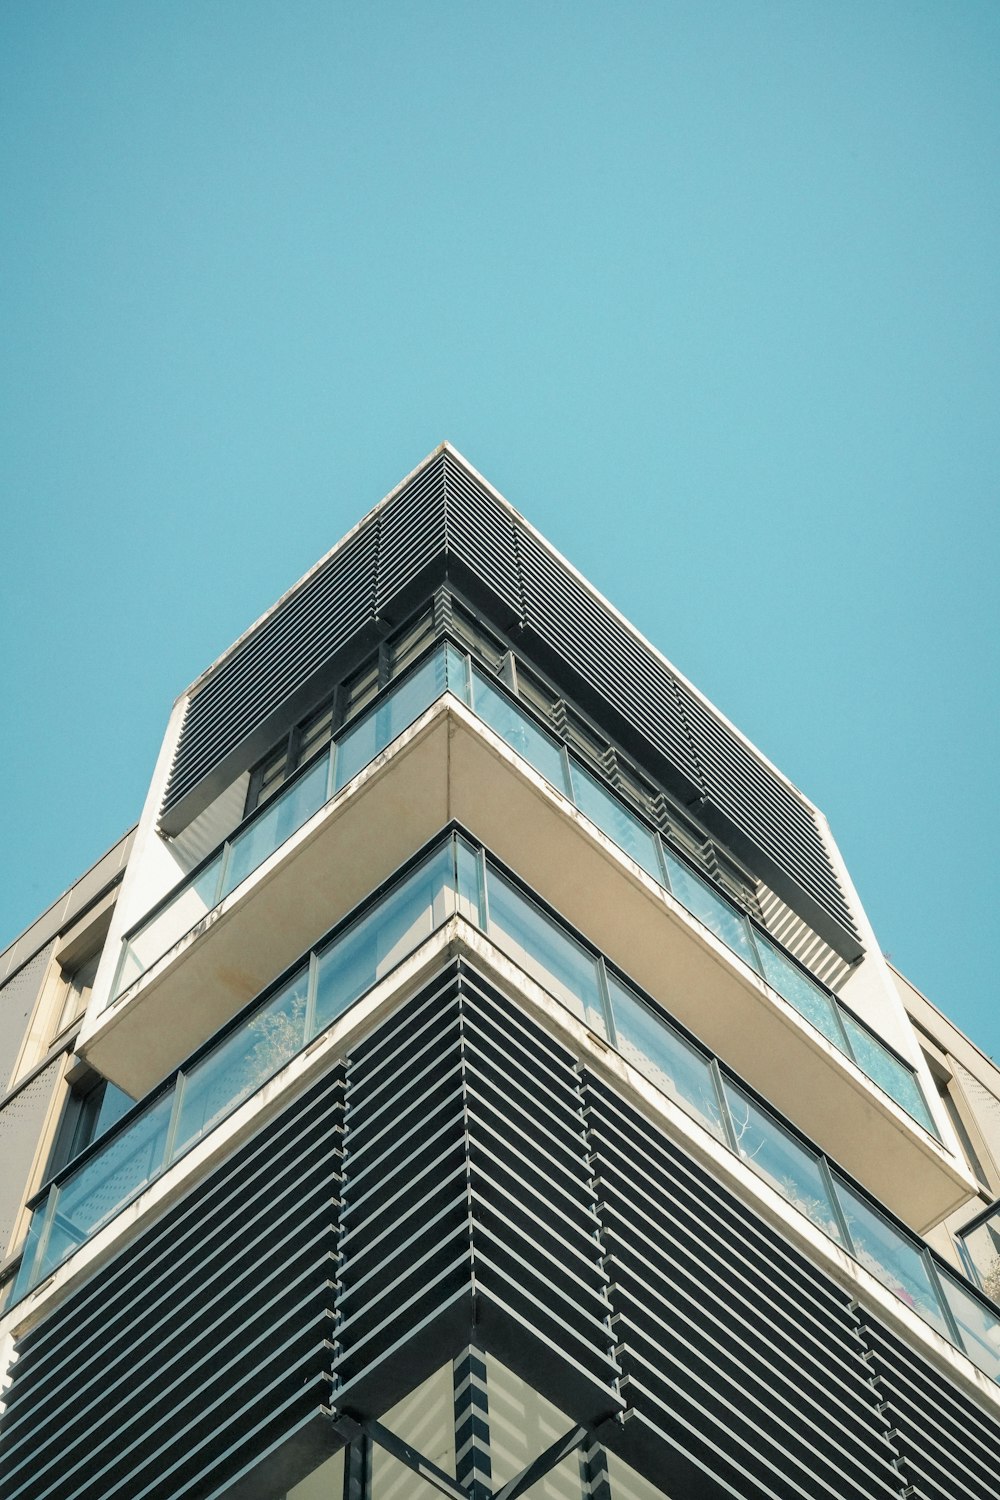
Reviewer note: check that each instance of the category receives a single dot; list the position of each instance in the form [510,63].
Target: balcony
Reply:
[396,776]
[980,1244]
[453,890]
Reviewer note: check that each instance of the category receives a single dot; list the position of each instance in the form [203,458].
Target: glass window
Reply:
[100,1186]
[373,945]
[667,1060]
[360,689]
[889,1255]
[458,667]
[544,949]
[410,641]
[982,1248]
[314,733]
[888,1072]
[182,912]
[242,1061]
[978,1325]
[614,819]
[807,998]
[711,909]
[781,1160]
[517,730]
[269,831]
[396,712]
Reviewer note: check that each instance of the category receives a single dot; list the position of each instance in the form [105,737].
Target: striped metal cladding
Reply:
[446,522]
[949,1448]
[741,1360]
[468,1208]
[460,1184]
[227,1362]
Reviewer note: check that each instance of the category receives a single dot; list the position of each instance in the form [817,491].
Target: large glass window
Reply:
[807,998]
[890,1256]
[710,908]
[613,818]
[671,1063]
[781,1160]
[887,1071]
[560,964]
[242,1061]
[518,731]
[367,950]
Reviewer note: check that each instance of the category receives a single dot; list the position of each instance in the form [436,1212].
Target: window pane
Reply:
[517,730]
[100,1187]
[374,944]
[781,1160]
[978,1325]
[541,947]
[982,1245]
[807,998]
[286,813]
[666,1059]
[242,1062]
[183,911]
[458,673]
[889,1255]
[711,908]
[614,819]
[888,1072]
[468,879]
[396,712]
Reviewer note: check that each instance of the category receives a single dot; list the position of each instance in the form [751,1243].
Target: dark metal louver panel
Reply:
[468,1208]
[282,653]
[412,532]
[742,1361]
[445,519]
[949,1446]
[483,535]
[598,647]
[203,1346]
[762,807]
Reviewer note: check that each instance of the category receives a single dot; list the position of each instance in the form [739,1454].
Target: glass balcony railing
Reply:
[265,831]
[457,877]
[446,668]
[980,1242]
[709,906]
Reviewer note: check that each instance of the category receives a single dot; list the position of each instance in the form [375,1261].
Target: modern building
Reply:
[476,1076]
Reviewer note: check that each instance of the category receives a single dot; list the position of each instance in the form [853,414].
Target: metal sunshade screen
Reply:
[742,1361]
[200,1348]
[762,807]
[276,658]
[483,534]
[597,646]
[411,532]
[469,1214]
[949,1447]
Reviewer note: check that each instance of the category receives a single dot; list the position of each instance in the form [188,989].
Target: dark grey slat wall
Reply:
[742,1361]
[949,1449]
[446,519]
[204,1346]
[489,1194]
[468,1207]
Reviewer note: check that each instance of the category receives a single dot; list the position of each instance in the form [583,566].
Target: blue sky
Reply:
[709,290]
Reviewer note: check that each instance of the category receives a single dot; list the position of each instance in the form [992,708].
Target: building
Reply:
[522,1104]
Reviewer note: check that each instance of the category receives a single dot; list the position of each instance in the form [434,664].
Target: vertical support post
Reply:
[472,1424]
[358,1468]
[594,1471]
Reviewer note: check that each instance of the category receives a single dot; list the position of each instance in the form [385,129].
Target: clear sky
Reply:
[711,291]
